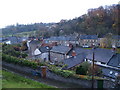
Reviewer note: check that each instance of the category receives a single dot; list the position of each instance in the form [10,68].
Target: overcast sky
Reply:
[35,11]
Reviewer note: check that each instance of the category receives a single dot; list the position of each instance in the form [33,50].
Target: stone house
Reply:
[58,53]
[113,41]
[101,56]
[107,60]
[63,40]
[116,41]
[88,40]
[32,45]
[42,53]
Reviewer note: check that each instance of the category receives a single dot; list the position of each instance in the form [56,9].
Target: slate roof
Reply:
[101,55]
[61,49]
[33,45]
[88,37]
[53,39]
[34,42]
[80,50]
[114,61]
[44,49]
[107,69]
[63,38]
[73,61]
[23,38]
[116,37]
[14,40]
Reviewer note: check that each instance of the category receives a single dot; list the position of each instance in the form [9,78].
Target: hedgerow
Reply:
[20,61]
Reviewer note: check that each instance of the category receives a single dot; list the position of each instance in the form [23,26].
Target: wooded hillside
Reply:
[99,21]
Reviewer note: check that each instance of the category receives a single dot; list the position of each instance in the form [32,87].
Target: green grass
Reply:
[11,80]
[118,50]
[0,79]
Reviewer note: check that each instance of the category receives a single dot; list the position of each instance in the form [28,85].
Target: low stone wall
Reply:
[82,82]
[85,83]
[51,75]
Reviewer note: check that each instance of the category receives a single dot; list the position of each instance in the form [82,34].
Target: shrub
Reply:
[97,70]
[15,60]
[83,68]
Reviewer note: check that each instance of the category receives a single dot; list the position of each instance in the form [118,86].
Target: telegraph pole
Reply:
[93,71]
[93,67]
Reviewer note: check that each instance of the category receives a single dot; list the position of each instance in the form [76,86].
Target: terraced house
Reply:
[63,40]
[88,40]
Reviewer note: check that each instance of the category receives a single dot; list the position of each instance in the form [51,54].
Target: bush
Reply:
[13,50]
[83,68]
[64,73]
[15,60]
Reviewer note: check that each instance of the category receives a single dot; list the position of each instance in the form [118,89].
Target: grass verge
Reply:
[11,80]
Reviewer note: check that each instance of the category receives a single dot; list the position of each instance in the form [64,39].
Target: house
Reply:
[109,72]
[60,52]
[49,44]
[11,40]
[101,56]
[42,53]
[88,40]
[116,40]
[63,40]
[74,61]
[114,61]
[111,41]
[107,60]
[32,45]
[78,51]
[23,39]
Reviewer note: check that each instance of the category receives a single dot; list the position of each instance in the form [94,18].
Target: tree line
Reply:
[99,21]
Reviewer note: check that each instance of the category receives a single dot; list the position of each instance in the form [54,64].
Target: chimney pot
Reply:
[73,53]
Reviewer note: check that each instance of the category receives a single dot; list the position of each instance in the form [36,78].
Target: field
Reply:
[11,80]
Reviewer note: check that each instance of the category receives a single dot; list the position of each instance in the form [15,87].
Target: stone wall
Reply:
[51,75]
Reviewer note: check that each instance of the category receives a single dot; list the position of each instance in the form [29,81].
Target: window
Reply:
[68,56]
[111,72]
[85,60]
[116,74]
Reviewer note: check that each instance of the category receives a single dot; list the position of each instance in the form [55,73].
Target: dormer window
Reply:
[111,72]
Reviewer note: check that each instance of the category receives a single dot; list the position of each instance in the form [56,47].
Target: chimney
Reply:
[37,39]
[70,45]
[74,54]
[114,50]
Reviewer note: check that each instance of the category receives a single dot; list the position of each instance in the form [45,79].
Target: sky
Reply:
[35,11]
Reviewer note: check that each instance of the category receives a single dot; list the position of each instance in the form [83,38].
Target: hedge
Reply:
[15,60]
[53,68]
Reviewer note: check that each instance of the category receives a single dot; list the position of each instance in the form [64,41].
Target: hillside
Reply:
[99,21]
